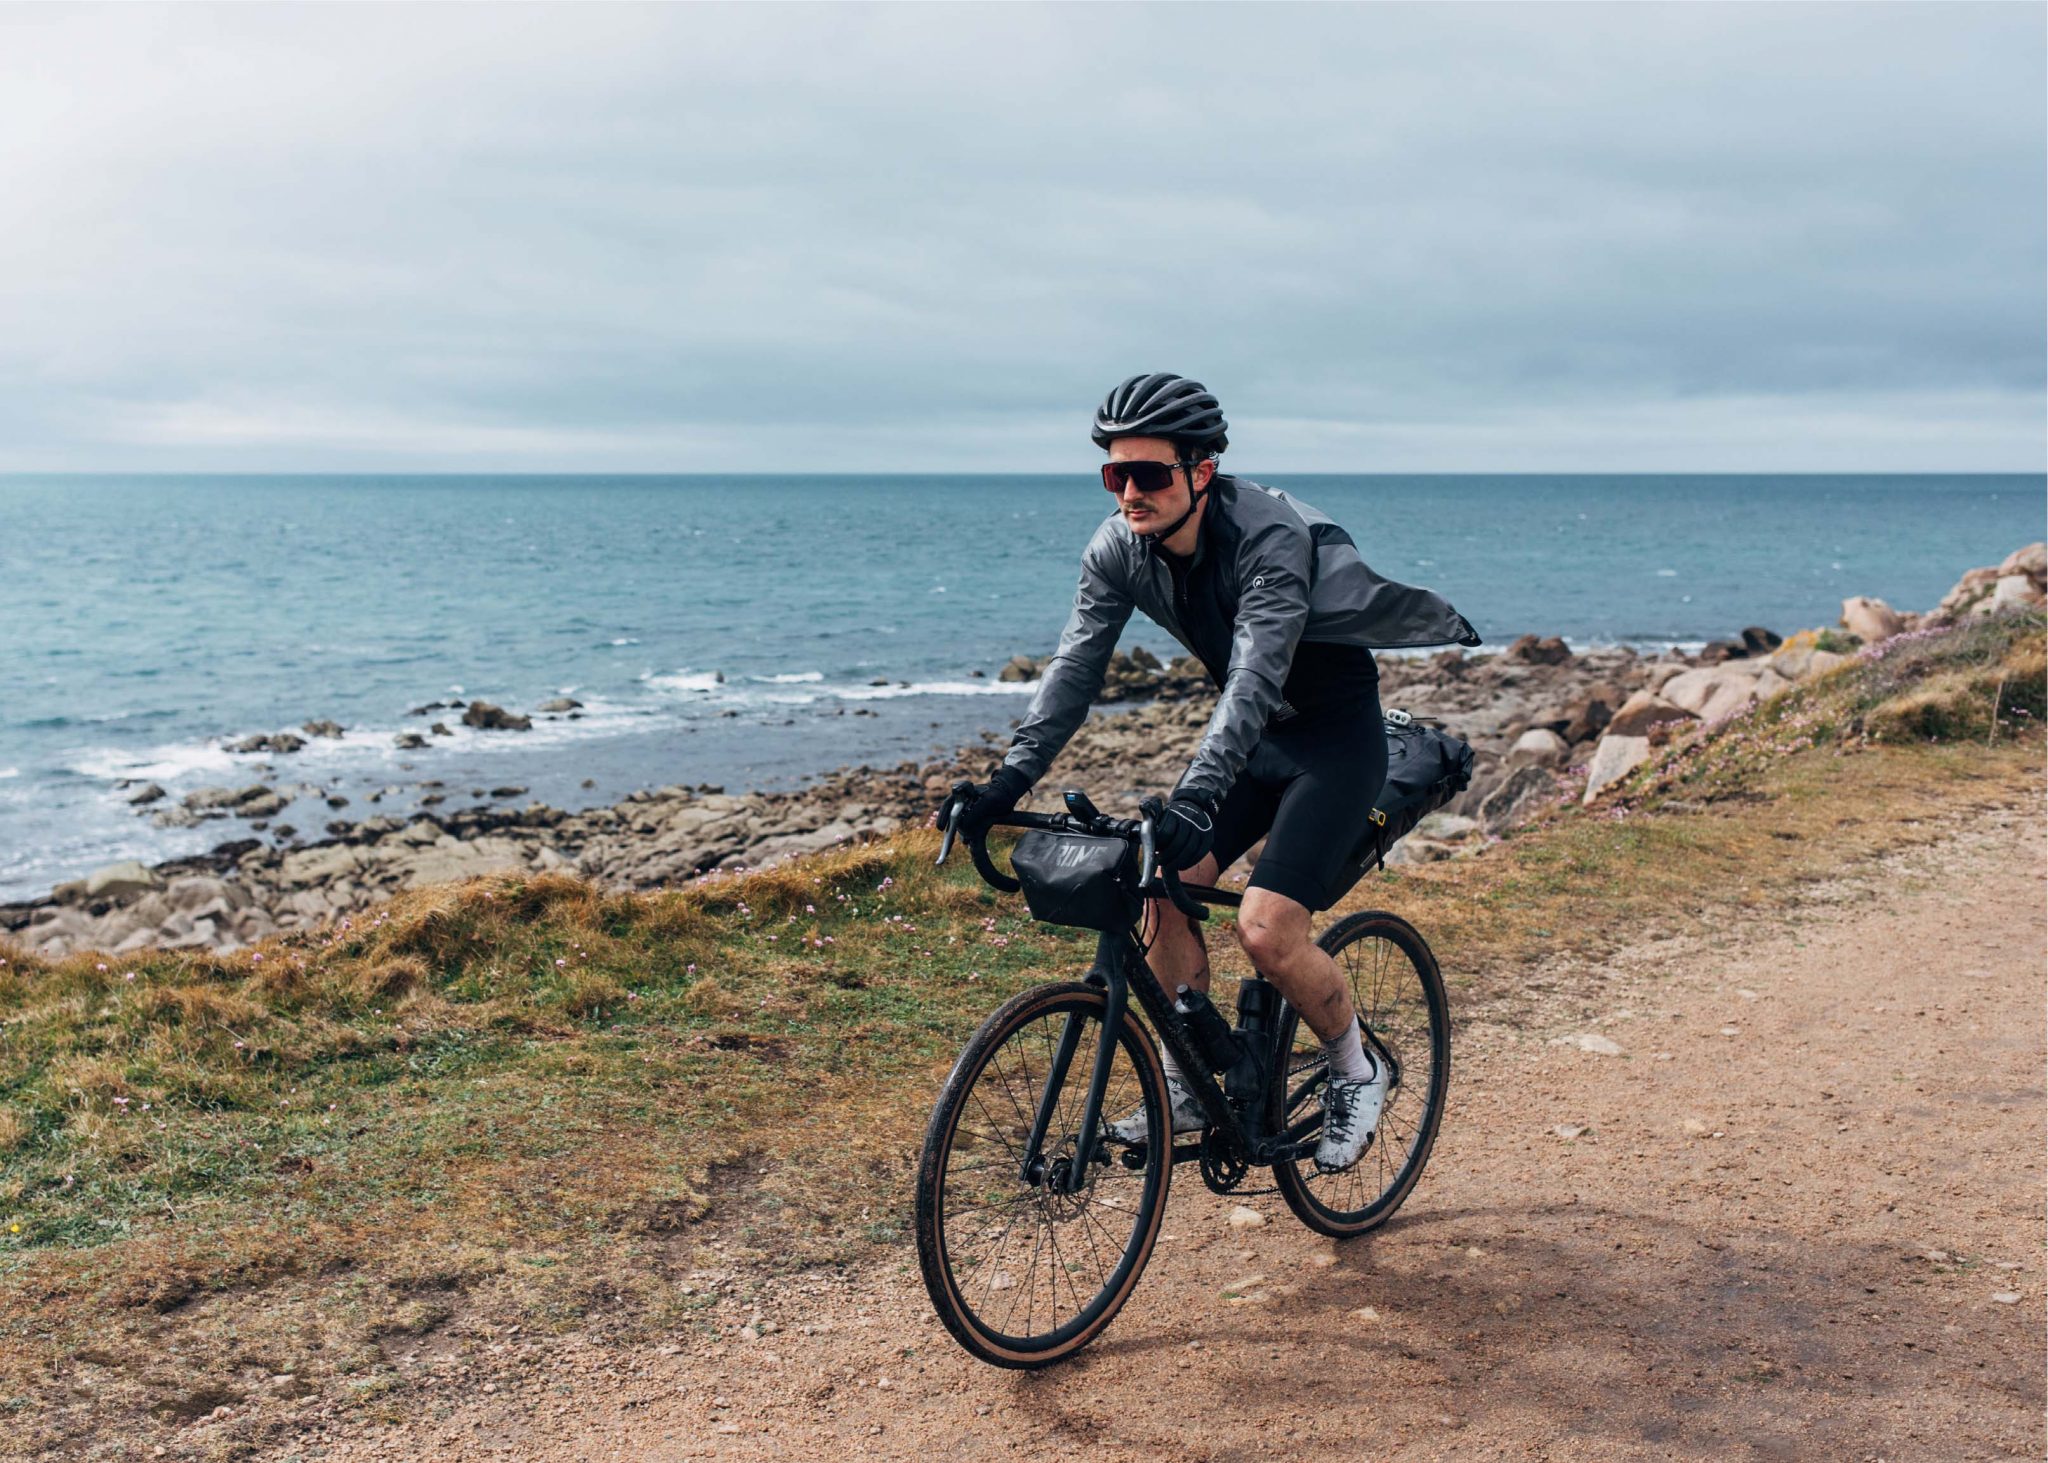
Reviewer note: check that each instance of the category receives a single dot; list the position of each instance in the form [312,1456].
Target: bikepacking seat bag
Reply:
[1426,768]
[1077,879]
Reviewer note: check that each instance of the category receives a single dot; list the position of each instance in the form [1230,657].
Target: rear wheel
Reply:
[1023,1272]
[1405,1020]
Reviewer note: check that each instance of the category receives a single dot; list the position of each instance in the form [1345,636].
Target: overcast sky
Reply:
[1699,237]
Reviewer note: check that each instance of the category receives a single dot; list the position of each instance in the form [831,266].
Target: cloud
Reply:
[707,238]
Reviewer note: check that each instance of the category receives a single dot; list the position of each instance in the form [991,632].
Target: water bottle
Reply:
[1206,1027]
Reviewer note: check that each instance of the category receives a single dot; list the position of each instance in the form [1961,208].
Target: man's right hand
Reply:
[987,801]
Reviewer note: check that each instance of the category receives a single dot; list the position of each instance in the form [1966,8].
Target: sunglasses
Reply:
[1146,477]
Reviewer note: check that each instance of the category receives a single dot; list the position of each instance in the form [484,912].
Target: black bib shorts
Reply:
[1309,789]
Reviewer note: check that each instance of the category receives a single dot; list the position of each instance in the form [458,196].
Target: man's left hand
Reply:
[1183,830]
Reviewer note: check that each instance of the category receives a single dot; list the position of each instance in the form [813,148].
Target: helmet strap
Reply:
[1195,496]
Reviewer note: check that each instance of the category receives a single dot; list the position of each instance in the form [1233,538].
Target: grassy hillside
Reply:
[542,1105]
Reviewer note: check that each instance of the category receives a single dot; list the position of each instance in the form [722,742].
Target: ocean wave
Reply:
[935,688]
[683,680]
[791,678]
[623,640]
[10,772]
[164,763]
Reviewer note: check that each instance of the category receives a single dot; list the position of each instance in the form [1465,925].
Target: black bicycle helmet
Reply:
[1163,405]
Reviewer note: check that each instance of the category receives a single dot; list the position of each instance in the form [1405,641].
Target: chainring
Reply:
[1222,1170]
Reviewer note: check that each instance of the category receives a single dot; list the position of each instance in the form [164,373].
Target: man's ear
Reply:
[1205,471]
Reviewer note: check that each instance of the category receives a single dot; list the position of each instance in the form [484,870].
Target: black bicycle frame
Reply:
[1119,963]
[1119,968]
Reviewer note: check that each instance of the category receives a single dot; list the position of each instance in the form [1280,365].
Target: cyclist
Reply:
[1273,599]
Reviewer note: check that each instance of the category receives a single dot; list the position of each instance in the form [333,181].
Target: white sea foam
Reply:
[1667,573]
[623,640]
[683,680]
[10,772]
[935,688]
[163,763]
[792,678]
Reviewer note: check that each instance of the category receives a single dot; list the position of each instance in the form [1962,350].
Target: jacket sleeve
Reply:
[1102,606]
[1273,603]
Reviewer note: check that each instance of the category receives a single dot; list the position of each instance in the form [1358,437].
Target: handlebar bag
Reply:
[1078,879]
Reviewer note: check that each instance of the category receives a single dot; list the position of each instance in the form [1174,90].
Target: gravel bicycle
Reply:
[1034,1219]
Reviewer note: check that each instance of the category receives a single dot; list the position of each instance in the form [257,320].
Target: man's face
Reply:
[1146,512]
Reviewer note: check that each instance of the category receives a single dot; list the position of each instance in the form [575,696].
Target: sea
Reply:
[730,630]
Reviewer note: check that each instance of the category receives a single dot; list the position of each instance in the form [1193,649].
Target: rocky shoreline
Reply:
[1546,724]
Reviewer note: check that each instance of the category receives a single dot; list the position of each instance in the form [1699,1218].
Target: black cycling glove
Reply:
[988,801]
[1183,830]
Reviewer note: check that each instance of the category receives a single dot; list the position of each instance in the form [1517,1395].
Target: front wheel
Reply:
[1023,1272]
[1405,1020]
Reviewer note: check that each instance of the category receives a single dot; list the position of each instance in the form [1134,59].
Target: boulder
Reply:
[1714,694]
[452,860]
[149,794]
[117,880]
[1520,797]
[1871,620]
[484,715]
[1538,747]
[409,741]
[1614,758]
[2031,560]
[174,817]
[1983,590]
[1532,650]
[267,805]
[1447,826]
[1020,668]
[559,704]
[1586,718]
[315,866]
[280,742]
[2011,589]
[221,799]
[1641,712]
[322,729]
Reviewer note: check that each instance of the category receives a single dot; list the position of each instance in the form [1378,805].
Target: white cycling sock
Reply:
[1347,1056]
[1172,1068]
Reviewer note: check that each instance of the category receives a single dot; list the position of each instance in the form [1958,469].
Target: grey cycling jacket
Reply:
[1295,575]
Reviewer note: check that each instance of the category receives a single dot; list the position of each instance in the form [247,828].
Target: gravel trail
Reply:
[1802,1218]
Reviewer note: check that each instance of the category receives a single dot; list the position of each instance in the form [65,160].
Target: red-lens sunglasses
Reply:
[1146,477]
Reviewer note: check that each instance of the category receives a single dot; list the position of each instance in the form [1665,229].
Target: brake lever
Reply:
[949,816]
[1168,879]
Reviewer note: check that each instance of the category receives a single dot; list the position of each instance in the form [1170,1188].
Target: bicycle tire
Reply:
[1399,995]
[970,1175]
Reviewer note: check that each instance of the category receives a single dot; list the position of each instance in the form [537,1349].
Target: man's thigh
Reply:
[1249,807]
[1321,816]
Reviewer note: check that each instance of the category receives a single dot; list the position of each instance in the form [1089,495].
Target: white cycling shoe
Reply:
[1351,1115]
[1188,1117]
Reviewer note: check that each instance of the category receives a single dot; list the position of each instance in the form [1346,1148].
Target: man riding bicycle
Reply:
[1275,602]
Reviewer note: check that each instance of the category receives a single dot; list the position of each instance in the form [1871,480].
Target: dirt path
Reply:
[1791,1227]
